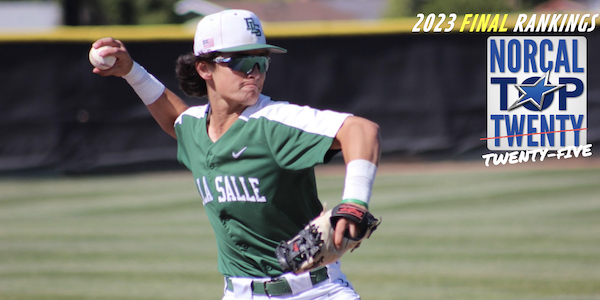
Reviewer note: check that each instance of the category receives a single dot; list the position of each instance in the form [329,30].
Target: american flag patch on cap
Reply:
[208,43]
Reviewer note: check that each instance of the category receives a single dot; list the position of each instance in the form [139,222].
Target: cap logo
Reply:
[252,27]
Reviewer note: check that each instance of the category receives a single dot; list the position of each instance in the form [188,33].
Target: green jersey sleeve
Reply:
[299,137]
[189,134]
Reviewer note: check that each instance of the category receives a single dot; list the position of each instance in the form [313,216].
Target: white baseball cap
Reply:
[231,30]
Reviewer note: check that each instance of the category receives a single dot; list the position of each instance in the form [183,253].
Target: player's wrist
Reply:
[356,202]
[358,184]
[145,85]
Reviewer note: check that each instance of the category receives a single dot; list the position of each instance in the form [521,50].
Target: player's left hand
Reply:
[346,225]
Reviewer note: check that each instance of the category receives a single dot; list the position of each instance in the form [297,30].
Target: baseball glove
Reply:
[313,246]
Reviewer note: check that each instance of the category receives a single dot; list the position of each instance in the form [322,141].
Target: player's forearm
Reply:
[358,139]
[164,105]
[166,109]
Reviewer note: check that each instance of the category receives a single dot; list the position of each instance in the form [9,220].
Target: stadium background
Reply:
[452,228]
[426,91]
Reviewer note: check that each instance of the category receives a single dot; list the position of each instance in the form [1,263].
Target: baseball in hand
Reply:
[102,63]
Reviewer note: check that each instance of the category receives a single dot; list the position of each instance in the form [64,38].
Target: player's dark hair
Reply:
[190,81]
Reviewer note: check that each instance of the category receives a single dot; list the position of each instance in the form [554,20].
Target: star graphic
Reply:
[535,93]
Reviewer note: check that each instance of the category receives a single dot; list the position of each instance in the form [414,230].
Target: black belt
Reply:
[280,286]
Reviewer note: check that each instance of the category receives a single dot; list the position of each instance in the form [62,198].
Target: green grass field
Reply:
[454,233]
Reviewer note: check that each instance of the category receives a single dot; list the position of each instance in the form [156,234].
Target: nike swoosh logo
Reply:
[237,154]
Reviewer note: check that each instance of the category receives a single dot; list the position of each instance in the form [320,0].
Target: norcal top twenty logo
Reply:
[536,92]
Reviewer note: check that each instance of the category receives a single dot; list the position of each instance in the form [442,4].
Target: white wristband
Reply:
[358,184]
[146,86]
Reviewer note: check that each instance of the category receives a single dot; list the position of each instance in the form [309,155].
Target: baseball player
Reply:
[253,158]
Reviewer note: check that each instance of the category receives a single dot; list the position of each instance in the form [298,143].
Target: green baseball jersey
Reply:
[257,181]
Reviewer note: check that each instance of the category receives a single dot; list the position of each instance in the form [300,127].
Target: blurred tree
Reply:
[131,12]
[126,12]
[404,8]
[121,12]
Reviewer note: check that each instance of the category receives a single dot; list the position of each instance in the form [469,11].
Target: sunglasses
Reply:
[245,64]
